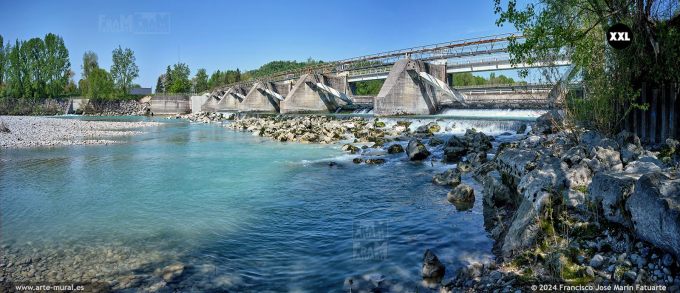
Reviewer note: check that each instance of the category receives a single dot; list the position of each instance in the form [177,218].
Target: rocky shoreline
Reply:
[28,131]
[566,207]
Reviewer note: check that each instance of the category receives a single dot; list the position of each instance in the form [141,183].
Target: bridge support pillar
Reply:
[405,92]
[262,97]
[316,93]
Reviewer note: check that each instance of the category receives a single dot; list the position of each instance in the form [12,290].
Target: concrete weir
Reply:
[404,92]
[232,98]
[316,93]
[264,97]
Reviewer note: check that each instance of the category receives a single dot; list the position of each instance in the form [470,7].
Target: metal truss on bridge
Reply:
[474,54]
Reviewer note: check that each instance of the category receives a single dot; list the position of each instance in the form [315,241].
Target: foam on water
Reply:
[493,113]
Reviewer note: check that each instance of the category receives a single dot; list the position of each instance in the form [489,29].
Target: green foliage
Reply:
[201,81]
[100,85]
[3,61]
[178,79]
[369,87]
[57,66]
[123,70]
[90,62]
[35,68]
[467,79]
[612,78]
[219,78]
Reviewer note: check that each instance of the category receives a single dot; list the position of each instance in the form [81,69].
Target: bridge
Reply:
[416,82]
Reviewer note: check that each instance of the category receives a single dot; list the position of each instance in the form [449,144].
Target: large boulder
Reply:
[578,175]
[514,163]
[432,267]
[538,188]
[631,152]
[450,177]
[605,159]
[574,155]
[416,150]
[640,167]
[477,141]
[523,230]
[654,209]
[609,192]
[455,149]
[548,123]
[463,194]
[541,183]
[496,194]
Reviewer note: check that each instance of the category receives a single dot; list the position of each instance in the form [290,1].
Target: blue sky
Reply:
[244,34]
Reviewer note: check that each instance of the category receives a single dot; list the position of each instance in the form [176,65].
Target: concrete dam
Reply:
[416,82]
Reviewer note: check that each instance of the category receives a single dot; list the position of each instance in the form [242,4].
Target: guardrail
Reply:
[458,48]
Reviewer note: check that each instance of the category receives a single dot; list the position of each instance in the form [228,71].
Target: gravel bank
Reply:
[26,131]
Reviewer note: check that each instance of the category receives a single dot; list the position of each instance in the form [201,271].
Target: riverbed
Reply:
[234,211]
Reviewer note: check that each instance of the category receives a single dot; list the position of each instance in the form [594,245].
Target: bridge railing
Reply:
[453,49]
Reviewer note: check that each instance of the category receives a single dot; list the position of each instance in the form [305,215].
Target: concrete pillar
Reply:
[257,100]
[404,92]
[306,97]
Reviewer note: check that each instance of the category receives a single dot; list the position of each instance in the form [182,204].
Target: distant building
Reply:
[140,91]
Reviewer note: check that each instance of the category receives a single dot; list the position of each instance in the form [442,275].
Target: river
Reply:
[240,212]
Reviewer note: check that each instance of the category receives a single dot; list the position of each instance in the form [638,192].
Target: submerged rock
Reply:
[375,161]
[450,177]
[432,267]
[352,149]
[461,194]
[172,272]
[416,150]
[395,149]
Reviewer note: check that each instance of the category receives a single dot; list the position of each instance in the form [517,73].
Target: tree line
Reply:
[40,68]
[177,78]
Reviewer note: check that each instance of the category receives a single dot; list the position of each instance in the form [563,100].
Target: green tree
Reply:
[201,80]
[179,79]
[101,85]
[15,74]
[160,84]
[34,52]
[368,88]
[57,65]
[90,62]
[123,70]
[612,78]
[3,61]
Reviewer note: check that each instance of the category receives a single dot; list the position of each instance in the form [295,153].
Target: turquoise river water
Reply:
[260,215]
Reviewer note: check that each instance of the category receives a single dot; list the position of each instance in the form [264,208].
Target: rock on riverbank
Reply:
[25,131]
[589,211]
